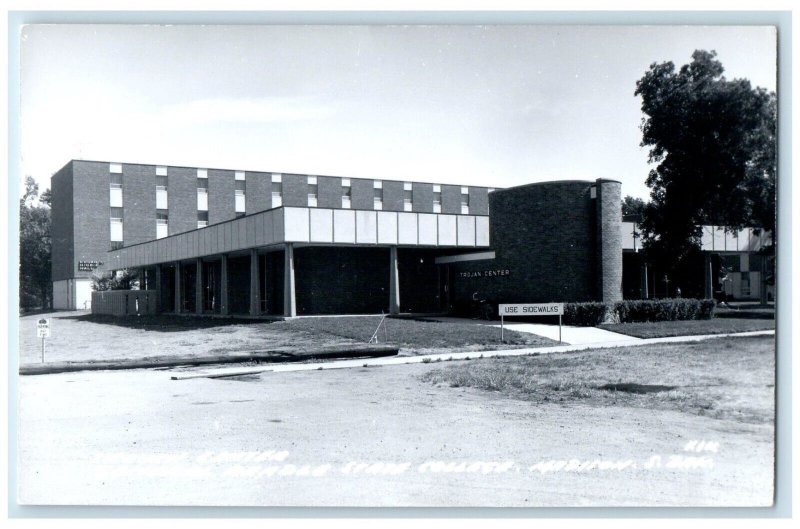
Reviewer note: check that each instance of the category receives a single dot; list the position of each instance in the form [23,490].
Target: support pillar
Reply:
[198,288]
[223,286]
[255,297]
[709,276]
[289,304]
[394,282]
[178,295]
[158,288]
[643,280]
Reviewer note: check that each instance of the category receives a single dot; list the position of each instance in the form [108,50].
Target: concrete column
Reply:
[178,294]
[608,207]
[289,303]
[709,276]
[394,282]
[643,280]
[198,288]
[223,286]
[255,298]
[158,287]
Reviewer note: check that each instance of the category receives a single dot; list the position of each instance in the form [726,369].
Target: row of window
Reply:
[162,197]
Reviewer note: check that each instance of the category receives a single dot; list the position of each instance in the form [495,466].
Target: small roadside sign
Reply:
[43,331]
[530,309]
[43,328]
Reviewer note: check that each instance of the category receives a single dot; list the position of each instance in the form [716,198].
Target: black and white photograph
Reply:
[397,265]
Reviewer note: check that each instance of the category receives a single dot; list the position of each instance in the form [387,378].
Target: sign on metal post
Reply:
[43,331]
[531,309]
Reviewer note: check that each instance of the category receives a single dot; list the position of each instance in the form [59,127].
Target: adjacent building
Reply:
[227,242]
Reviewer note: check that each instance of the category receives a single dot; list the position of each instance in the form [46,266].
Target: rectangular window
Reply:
[202,219]
[161,192]
[437,199]
[347,193]
[202,199]
[162,224]
[202,173]
[239,201]
[115,167]
[464,201]
[240,214]
[277,194]
[116,229]
[378,198]
[313,191]
[161,171]
[408,204]
[115,199]
[239,175]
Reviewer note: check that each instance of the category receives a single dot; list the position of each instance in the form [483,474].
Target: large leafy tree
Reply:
[714,143]
[34,247]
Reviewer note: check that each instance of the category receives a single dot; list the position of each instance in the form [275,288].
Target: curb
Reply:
[343,352]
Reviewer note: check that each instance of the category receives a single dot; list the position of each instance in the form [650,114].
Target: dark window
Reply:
[162,214]
[116,245]
[202,183]
[240,185]
[202,216]
[240,214]
[161,181]
[116,213]
[116,178]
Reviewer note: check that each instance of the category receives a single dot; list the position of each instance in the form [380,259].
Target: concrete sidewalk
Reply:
[346,364]
[572,335]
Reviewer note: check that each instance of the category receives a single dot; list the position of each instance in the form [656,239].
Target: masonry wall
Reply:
[182,197]
[92,213]
[545,237]
[258,191]
[221,193]
[335,280]
[139,203]
[62,228]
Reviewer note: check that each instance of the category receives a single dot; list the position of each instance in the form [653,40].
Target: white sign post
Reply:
[43,331]
[531,309]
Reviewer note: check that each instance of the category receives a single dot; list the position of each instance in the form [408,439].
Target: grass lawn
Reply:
[415,335]
[725,378]
[659,329]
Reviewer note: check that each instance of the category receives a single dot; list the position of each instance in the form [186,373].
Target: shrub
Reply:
[586,314]
[642,310]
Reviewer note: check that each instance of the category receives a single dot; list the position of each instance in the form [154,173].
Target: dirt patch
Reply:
[641,389]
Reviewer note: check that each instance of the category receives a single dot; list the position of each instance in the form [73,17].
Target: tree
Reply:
[632,207]
[714,142]
[34,248]
[124,279]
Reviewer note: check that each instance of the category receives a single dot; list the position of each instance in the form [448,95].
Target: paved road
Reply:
[139,438]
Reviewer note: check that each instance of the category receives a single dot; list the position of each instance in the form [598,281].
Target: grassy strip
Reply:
[412,333]
[727,378]
[662,329]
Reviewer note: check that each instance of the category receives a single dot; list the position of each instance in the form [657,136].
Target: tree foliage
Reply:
[34,248]
[124,279]
[714,143]
[632,207]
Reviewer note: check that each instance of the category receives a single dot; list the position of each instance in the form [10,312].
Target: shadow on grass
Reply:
[164,322]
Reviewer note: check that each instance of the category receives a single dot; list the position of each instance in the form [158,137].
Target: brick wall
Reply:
[62,228]
[363,194]
[92,221]
[451,199]
[258,192]
[609,240]
[478,201]
[544,236]
[295,190]
[329,192]
[182,196]
[341,280]
[139,203]
[221,193]
[392,196]
[422,197]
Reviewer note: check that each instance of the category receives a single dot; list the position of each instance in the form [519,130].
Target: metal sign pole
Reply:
[43,349]
[502,322]
[559,328]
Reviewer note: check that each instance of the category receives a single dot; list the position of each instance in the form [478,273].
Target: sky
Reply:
[495,106]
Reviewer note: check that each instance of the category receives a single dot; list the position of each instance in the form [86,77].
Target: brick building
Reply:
[213,241]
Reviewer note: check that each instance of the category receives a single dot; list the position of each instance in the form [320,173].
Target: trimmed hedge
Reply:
[638,310]
[587,314]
